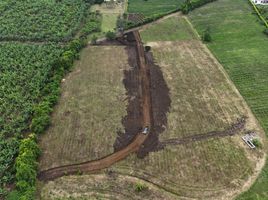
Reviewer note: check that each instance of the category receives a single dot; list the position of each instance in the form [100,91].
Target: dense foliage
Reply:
[153,7]
[24,72]
[93,24]
[30,76]
[46,20]
[26,167]
[190,5]
[264,12]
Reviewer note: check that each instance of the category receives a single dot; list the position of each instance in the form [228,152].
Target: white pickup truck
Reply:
[145,130]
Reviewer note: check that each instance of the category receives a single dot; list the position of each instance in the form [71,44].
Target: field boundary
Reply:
[102,163]
[258,13]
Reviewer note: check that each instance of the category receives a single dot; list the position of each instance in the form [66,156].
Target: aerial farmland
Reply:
[133,99]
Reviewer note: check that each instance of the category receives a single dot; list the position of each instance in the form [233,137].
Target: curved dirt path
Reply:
[95,165]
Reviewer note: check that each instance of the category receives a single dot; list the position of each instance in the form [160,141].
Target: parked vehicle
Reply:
[145,130]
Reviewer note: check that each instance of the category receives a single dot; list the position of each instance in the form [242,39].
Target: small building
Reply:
[260,2]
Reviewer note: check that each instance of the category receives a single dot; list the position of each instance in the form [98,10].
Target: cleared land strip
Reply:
[105,162]
[232,130]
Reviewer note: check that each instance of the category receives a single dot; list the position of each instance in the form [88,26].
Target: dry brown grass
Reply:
[203,100]
[89,113]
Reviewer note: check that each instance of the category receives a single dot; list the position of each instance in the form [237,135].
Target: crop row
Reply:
[36,20]
[24,71]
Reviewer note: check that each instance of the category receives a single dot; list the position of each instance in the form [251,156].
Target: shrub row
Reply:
[92,25]
[26,162]
[259,14]
[190,5]
[264,22]
[26,168]
[129,24]
[185,8]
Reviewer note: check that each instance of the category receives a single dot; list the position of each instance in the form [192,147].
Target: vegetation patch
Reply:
[171,29]
[153,7]
[243,53]
[30,80]
[41,20]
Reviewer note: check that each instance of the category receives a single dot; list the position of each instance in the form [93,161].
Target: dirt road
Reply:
[109,160]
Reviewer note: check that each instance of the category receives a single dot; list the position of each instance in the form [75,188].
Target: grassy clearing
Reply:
[86,121]
[109,22]
[243,53]
[151,7]
[171,29]
[109,14]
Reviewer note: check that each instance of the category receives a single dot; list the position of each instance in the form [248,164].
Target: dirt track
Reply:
[152,113]
[235,128]
[91,166]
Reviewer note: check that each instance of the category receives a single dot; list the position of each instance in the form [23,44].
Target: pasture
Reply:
[153,7]
[241,47]
[93,102]
[170,29]
[203,100]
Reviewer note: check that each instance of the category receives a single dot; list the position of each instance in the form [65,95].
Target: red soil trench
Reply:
[95,165]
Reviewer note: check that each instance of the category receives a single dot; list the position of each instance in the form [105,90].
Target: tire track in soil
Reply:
[231,131]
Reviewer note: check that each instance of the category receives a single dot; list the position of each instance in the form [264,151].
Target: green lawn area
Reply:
[171,29]
[241,47]
[151,7]
[108,22]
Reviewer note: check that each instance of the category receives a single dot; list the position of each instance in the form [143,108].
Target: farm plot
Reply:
[202,99]
[24,70]
[170,29]
[93,103]
[243,53]
[153,7]
[41,20]
[110,12]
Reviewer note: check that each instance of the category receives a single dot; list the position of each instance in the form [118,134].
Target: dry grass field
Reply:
[203,99]
[88,116]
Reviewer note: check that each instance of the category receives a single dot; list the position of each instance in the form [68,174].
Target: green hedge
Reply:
[26,167]
[259,14]
[26,162]
[146,20]
[190,5]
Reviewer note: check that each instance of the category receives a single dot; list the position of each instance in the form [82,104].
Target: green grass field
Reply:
[171,29]
[151,7]
[241,47]
[109,22]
